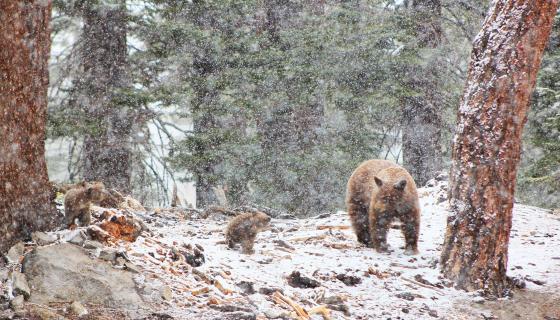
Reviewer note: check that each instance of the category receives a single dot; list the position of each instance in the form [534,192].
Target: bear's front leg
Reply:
[247,245]
[410,227]
[379,223]
[85,218]
[359,218]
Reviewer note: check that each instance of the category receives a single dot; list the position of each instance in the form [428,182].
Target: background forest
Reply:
[272,102]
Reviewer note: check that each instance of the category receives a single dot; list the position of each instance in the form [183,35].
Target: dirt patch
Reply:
[525,304]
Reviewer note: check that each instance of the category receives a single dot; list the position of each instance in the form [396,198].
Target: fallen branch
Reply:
[394,264]
[283,300]
[322,310]
[199,291]
[221,287]
[436,289]
[303,239]
[342,227]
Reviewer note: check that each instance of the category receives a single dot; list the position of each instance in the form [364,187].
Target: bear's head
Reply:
[389,193]
[97,192]
[260,219]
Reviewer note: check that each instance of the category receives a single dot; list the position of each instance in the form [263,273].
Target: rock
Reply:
[406,296]
[108,255]
[129,266]
[336,303]
[7,314]
[44,313]
[19,283]
[4,275]
[271,313]
[237,315]
[92,244]
[15,252]
[77,237]
[78,309]
[268,291]
[194,258]
[42,238]
[64,272]
[230,308]
[166,293]
[348,279]
[442,176]
[323,215]
[246,287]
[120,261]
[220,196]
[284,244]
[518,282]
[295,279]
[17,303]
[287,216]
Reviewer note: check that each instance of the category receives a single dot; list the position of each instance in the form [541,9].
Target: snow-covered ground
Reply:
[392,285]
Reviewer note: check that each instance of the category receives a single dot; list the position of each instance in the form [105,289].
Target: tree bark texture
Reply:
[25,201]
[107,144]
[421,115]
[502,72]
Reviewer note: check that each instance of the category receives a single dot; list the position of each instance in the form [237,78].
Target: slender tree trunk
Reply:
[504,63]
[107,145]
[25,203]
[422,121]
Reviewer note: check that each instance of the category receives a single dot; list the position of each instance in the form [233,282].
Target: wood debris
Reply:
[326,227]
[287,302]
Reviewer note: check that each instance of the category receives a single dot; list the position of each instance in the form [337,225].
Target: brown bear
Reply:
[244,228]
[378,192]
[78,200]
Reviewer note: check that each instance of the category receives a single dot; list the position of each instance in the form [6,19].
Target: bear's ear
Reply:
[89,190]
[378,181]
[400,185]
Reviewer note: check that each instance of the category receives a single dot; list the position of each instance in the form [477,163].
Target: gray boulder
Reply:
[42,238]
[19,284]
[15,252]
[64,272]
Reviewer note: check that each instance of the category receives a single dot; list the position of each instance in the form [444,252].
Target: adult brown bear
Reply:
[378,192]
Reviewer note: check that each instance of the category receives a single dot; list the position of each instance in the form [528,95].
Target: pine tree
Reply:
[25,195]
[486,151]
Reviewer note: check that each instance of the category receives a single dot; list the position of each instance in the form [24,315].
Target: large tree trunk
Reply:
[422,121]
[107,145]
[25,203]
[502,73]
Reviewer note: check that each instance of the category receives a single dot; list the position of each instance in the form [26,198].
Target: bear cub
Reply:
[243,229]
[378,192]
[79,199]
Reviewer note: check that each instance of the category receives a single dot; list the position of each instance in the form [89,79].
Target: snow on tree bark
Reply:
[25,203]
[502,73]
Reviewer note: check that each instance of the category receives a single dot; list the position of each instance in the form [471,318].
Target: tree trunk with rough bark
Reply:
[25,196]
[421,113]
[107,145]
[504,63]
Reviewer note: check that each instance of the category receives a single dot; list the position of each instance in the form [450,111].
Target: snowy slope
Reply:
[392,285]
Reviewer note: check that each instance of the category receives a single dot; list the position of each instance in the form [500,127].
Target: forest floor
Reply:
[357,281]
[184,270]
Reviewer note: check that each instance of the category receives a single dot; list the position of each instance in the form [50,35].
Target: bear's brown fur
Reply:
[78,200]
[243,229]
[378,192]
